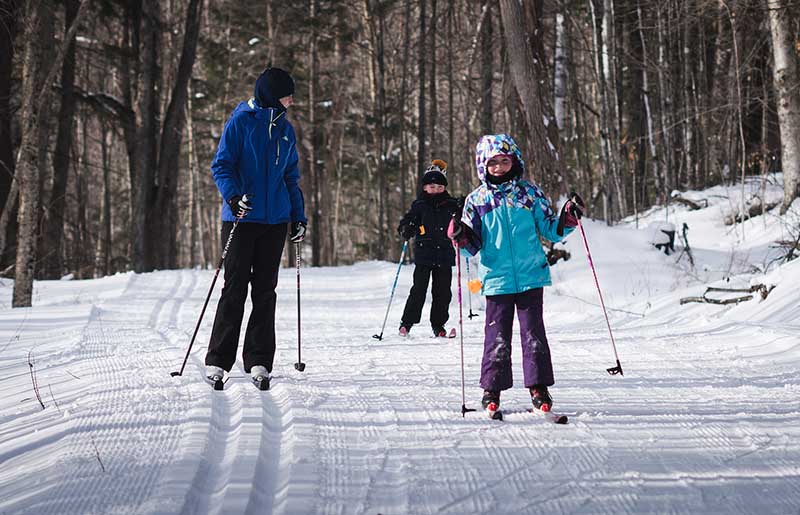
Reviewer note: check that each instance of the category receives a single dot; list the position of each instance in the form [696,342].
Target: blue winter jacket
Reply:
[257,156]
[506,221]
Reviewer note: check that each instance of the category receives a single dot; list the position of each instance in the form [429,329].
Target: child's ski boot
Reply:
[540,398]
[491,403]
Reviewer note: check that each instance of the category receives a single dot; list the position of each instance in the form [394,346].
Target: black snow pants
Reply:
[442,277]
[254,258]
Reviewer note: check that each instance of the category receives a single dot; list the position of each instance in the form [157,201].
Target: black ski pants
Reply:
[254,258]
[442,277]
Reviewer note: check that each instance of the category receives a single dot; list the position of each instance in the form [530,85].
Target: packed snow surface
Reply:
[706,418]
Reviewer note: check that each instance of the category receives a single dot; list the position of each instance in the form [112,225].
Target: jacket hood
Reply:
[495,144]
[270,115]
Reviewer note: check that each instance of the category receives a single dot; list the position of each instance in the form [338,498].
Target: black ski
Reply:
[495,415]
[555,418]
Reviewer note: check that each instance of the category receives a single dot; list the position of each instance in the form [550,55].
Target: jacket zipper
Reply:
[277,141]
[507,222]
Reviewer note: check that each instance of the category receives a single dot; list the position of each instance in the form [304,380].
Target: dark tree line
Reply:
[110,112]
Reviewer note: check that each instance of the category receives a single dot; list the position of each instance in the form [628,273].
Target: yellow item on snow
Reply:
[474,285]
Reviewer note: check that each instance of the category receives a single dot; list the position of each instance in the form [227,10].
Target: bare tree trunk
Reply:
[35,95]
[333,135]
[654,157]
[433,79]
[83,266]
[612,86]
[38,18]
[560,72]
[8,223]
[165,216]
[270,16]
[487,76]
[786,79]
[313,168]
[8,18]
[145,156]
[688,120]
[404,159]
[455,186]
[664,97]
[54,229]
[422,155]
[196,220]
[733,19]
[106,246]
[544,161]
[609,156]
[380,119]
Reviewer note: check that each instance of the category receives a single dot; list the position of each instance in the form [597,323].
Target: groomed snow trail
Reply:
[706,418]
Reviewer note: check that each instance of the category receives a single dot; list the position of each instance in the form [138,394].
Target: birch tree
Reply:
[787,86]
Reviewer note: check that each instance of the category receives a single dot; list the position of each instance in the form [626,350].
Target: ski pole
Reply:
[617,369]
[464,408]
[300,366]
[213,282]
[391,296]
[469,293]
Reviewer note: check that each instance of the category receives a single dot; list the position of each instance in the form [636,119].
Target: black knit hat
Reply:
[273,85]
[436,173]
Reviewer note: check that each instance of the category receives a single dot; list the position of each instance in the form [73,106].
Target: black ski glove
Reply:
[298,232]
[407,231]
[240,206]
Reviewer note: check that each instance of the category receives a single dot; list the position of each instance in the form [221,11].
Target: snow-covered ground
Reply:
[705,420]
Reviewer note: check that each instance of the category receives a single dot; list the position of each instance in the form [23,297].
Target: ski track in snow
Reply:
[706,419]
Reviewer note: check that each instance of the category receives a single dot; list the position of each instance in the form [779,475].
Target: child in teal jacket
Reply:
[503,219]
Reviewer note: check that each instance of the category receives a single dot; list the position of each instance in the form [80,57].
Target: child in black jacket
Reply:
[427,221]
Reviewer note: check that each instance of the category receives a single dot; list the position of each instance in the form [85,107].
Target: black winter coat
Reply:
[432,214]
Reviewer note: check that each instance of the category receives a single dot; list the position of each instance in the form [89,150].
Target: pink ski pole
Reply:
[617,369]
[464,408]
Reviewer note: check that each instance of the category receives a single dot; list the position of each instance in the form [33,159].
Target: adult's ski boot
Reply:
[214,376]
[260,376]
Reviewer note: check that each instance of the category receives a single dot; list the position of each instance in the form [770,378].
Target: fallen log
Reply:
[763,290]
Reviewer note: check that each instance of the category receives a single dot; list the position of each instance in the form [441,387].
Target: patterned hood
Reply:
[493,145]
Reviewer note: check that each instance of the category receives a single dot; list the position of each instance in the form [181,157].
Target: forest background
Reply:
[110,113]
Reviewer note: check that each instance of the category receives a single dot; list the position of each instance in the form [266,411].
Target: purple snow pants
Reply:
[536,365]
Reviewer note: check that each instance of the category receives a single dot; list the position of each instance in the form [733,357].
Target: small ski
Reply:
[555,418]
[493,410]
[261,382]
[451,334]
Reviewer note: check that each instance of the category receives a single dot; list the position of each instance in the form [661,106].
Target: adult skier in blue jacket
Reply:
[255,169]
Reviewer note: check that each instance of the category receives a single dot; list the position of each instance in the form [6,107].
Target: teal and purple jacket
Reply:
[506,221]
